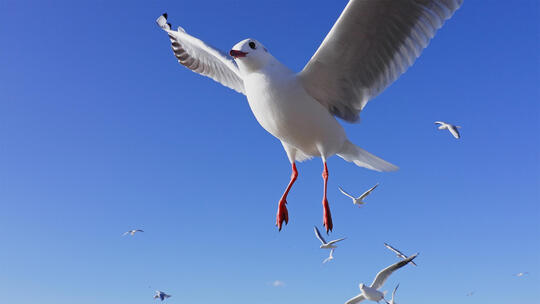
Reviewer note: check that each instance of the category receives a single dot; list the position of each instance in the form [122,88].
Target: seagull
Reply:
[358,201]
[132,232]
[330,257]
[371,44]
[392,301]
[521,274]
[371,292]
[453,129]
[161,295]
[470,293]
[326,245]
[398,253]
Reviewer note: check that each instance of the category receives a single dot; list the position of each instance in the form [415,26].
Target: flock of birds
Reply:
[368,292]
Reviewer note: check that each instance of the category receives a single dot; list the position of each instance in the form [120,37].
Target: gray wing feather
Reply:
[372,43]
[202,58]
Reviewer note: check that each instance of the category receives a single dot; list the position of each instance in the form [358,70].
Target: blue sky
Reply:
[102,131]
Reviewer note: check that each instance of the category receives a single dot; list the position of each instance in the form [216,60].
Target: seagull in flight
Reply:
[521,274]
[161,295]
[470,293]
[132,232]
[324,244]
[371,44]
[398,253]
[330,257]
[371,292]
[358,200]
[392,301]
[453,129]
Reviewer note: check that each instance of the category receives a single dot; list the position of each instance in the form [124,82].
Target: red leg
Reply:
[282,213]
[327,217]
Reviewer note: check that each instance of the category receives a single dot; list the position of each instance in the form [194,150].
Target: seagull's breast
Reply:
[284,109]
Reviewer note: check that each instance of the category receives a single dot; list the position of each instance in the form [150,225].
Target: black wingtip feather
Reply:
[165,15]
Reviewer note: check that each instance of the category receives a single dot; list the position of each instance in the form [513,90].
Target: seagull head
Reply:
[361,286]
[250,55]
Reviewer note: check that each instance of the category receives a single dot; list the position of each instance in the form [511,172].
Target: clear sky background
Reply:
[101,131]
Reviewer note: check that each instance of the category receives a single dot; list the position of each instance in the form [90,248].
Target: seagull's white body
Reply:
[284,109]
[372,43]
[521,274]
[450,127]
[324,243]
[358,200]
[372,292]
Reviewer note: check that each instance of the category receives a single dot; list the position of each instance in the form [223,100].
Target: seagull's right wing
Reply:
[383,275]
[359,298]
[371,44]
[439,123]
[399,253]
[318,235]
[454,131]
[201,58]
[335,241]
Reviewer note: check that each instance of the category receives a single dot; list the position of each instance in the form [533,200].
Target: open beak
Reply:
[237,54]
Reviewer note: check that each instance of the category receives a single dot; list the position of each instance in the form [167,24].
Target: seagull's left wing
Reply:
[369,191]
[335,241]
[383,275]
[394,293]
[201,58]
[372,43]
[359,298]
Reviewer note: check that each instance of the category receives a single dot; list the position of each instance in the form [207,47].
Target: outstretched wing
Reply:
[201,58]
[359,298]
[369,191]
[346,194]
[399,253]
[454,131]
[394,293]
[383,275]
[372,43]
[335,241]
[318,235]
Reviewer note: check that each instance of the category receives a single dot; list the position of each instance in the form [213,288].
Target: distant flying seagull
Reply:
[161,295]
[398,253]
[330,257]
[326,245]
[372,43]
[470,293]
[132,232]
[371,292]
[392,301]
[358,201]
[453,129]
[521,274]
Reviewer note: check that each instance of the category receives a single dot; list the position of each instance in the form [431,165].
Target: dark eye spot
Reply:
[252,45]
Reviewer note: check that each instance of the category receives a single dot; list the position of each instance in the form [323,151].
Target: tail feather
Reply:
[363,158]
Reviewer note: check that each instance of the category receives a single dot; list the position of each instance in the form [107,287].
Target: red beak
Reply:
[237,54]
